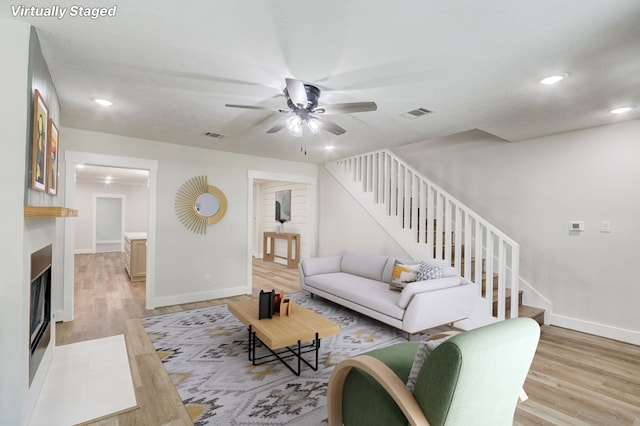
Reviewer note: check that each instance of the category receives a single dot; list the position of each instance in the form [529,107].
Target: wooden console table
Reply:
[268,250]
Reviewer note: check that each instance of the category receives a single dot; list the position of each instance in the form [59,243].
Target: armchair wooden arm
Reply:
[443,335]
[383,375]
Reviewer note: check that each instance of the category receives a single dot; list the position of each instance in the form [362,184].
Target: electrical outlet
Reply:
[207,278]
[605,226]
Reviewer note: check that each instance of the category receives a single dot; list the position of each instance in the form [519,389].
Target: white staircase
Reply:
[427,222]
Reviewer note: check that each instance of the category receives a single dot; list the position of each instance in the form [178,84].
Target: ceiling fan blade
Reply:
[331,127]
[347,108]
[251,107]
[276,128]
[297,92]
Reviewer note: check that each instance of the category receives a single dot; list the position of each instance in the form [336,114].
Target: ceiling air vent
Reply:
[416,113]
[213,135]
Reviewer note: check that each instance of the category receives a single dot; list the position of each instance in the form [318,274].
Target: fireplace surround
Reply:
[40,307]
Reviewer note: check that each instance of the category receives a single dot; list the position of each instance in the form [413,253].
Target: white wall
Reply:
[532,189]
[24,70]
[344,224]
[183,258]
[14,310]
[135,206]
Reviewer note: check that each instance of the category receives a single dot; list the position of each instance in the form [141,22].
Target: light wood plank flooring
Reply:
[575,378]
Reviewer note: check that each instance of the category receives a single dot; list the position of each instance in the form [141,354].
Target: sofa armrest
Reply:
[414,288]
[432,308]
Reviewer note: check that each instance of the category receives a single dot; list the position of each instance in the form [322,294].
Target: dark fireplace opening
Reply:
[40,308]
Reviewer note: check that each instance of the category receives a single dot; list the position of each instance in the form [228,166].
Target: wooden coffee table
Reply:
[284,336]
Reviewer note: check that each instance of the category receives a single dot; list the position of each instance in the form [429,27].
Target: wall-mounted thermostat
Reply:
[576,226]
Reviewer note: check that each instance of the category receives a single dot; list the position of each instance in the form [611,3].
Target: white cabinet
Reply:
[135,255]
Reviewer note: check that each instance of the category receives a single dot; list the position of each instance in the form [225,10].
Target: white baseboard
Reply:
[602,330]
[84,251]
[179,299]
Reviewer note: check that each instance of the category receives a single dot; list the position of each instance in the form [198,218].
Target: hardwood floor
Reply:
[575,378]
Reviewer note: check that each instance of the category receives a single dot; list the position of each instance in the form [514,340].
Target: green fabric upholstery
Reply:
[365,395]
[474,378]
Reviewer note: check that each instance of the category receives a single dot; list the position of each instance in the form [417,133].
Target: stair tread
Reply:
[525,311]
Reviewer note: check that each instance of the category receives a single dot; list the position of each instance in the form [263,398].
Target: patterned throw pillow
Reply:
[402,275]
[428,272]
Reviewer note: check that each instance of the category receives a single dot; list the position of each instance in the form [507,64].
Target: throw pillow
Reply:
[429,272]
[403,274]
[424,350]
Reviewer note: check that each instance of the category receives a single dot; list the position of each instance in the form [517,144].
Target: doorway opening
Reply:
[138,205]
[262,187]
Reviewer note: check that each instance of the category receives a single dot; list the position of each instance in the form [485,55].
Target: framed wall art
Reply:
[52,159]
[39,143]
[283,206]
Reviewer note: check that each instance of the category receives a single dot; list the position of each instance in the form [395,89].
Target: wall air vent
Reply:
[419,112]
[213,135]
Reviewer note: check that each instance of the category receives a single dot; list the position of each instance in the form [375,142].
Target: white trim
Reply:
[72,159]
[602,330]
[200,296]
[94,240]
[532,297]
[83,251]
[312,193]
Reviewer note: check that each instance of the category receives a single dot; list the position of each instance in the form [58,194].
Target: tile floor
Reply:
[86,380]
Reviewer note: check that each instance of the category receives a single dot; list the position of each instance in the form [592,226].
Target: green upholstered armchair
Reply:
[473,378]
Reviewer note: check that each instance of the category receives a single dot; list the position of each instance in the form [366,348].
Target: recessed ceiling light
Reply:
[103,102]
[553,79]
[329,147]
[621,110]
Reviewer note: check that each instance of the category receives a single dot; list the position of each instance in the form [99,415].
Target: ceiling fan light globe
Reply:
[314,125]
[294,125]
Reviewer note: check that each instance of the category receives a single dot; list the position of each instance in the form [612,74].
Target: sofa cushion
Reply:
[402,275]
[321,265]
[371,294]
[363,264]
[429,272]
[423,286]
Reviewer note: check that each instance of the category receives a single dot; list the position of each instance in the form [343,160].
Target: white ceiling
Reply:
[169,67]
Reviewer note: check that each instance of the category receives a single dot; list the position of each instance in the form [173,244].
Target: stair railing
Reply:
[441,227]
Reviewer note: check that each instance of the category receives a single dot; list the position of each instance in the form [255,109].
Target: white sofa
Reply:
[360,281]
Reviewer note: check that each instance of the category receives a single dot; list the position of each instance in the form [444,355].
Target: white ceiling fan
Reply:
[302,99]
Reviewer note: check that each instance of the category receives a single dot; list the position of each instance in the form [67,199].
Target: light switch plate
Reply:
[605,226]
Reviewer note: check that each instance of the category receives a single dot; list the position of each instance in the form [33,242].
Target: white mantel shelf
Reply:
[46,211]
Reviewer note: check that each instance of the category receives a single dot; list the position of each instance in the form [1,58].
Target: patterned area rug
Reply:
[205,352]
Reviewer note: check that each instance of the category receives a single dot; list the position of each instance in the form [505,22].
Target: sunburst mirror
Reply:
[199,204]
